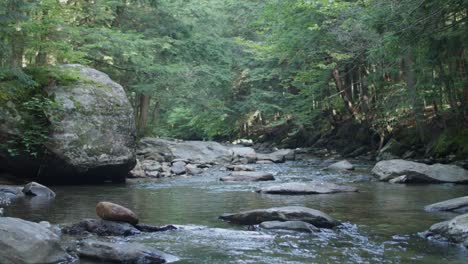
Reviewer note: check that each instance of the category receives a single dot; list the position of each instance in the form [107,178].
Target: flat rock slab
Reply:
[420,172]
[459,205]
[122,252]
[248,176]
[299,226]
[454,230]
[306,188]
[27,242]
[288,213]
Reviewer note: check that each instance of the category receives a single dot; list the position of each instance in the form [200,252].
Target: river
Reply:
[381,223]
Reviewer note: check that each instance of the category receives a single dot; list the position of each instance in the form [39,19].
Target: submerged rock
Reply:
[341,165]
[29,243]
[419,172]
[288,213]
[114,212]
[36,189]
[151,229]
[299,226]
[100,228]
[459,205]
[306,188]
[455,230]
[122,252]
[248,176]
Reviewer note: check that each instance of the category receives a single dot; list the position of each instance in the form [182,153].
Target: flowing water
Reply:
[381,223]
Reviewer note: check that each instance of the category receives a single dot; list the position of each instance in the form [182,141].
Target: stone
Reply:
[313,187]
[195,151]
[454,230]
[341,165]
[100,228]
[114,212]
[248,176]
[240,168]
[264,162]
[399,179]
[36,189]
[278,156]
[1,212]
[288,213]
[178,168]
[122,252]
[29,243]
[193,169]
[151,229]
[299,226]
[138,171]
[420,172]
[244,153]
[459,205]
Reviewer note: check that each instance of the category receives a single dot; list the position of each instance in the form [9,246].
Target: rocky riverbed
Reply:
[382,222]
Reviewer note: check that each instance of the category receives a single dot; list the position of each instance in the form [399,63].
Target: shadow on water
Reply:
[381,222]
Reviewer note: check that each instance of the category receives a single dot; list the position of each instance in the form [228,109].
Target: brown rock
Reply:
[114,212]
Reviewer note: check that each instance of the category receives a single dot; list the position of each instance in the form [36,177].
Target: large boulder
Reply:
[419,172]
[313,187]
[249,176]
[122,252]
[36,189]
[299,226]
[459,205]
[288,213]
[454,230]
[114,212]
[29,243]
[92,133]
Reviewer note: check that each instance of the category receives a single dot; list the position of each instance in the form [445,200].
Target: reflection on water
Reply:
[381,222]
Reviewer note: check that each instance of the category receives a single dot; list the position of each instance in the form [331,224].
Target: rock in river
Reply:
[114,212]
[288,213]
[313,187]
[122,252]
[248,176]
[240,168]
[341,165]
[459,205]
[29,243]
[299,226]
[92,133]
[278,156]
[420,172]
[36,189]
[455,230]
[100,228]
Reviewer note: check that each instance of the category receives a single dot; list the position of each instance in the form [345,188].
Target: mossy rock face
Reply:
[96,128]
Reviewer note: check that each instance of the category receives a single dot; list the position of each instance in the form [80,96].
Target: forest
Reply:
[290,72]
[233,131]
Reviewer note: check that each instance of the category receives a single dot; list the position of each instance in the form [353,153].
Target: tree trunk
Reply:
[343,92]
[418,110]
[144,112]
